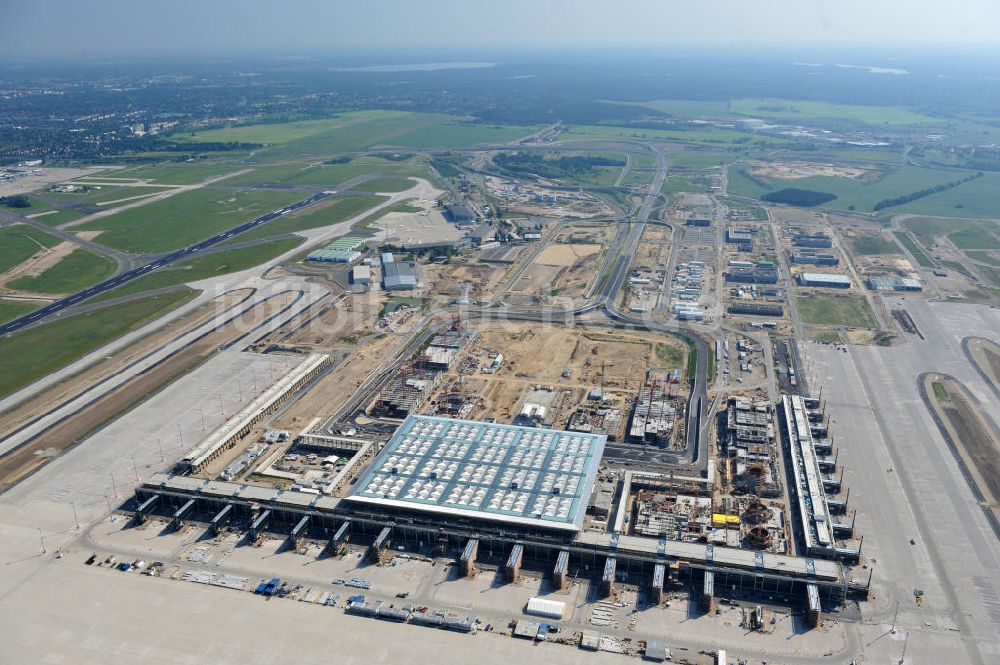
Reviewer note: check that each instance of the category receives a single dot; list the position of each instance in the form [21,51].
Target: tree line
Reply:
[919,194]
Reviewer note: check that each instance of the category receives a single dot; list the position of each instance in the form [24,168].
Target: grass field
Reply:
[973,199]
[30,354]
[686,183]
[759,213]
[77,270]
[387,185]
[964,233]
[940,392]
[11,309]
[60,216]
[50,214]
[800,110]
[868,244]
[212,265]
[689,133]
[983,256]
[362,130]
[856,194]
[180,173]
[310,172]
[918,253]
[20,242]
[683,108]
[697,159]
[186,218]
[825,336]
[634,177]
[836,310]
[979,235]
[642,160]
[957,267]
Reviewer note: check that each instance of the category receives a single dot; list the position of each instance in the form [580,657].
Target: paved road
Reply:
[116,281]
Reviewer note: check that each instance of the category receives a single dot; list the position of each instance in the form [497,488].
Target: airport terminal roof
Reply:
[506,473]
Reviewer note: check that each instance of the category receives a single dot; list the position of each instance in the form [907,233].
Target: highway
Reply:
[114,282]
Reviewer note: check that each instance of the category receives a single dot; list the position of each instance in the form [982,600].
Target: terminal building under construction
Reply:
[494,492]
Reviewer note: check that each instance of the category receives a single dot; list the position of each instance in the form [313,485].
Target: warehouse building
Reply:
[398,275]
[755,275]
[879,283]
[361,275]
[818,240]
[459,212]
[825,280]
[698,222]
[756,309]
[809,257]
[739,236]
[341,250]
[482,234]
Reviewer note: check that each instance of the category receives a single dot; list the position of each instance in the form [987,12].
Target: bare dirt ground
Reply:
[976,440]
[338,327]
[336,387]
[796,170]
[538,279]
[447,279]
[796,217]
[654,249]
[565,255]
[538,356]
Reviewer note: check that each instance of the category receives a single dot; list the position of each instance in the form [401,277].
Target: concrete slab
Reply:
[906,483]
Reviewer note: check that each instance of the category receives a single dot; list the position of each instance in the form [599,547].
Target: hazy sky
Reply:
[40,27]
